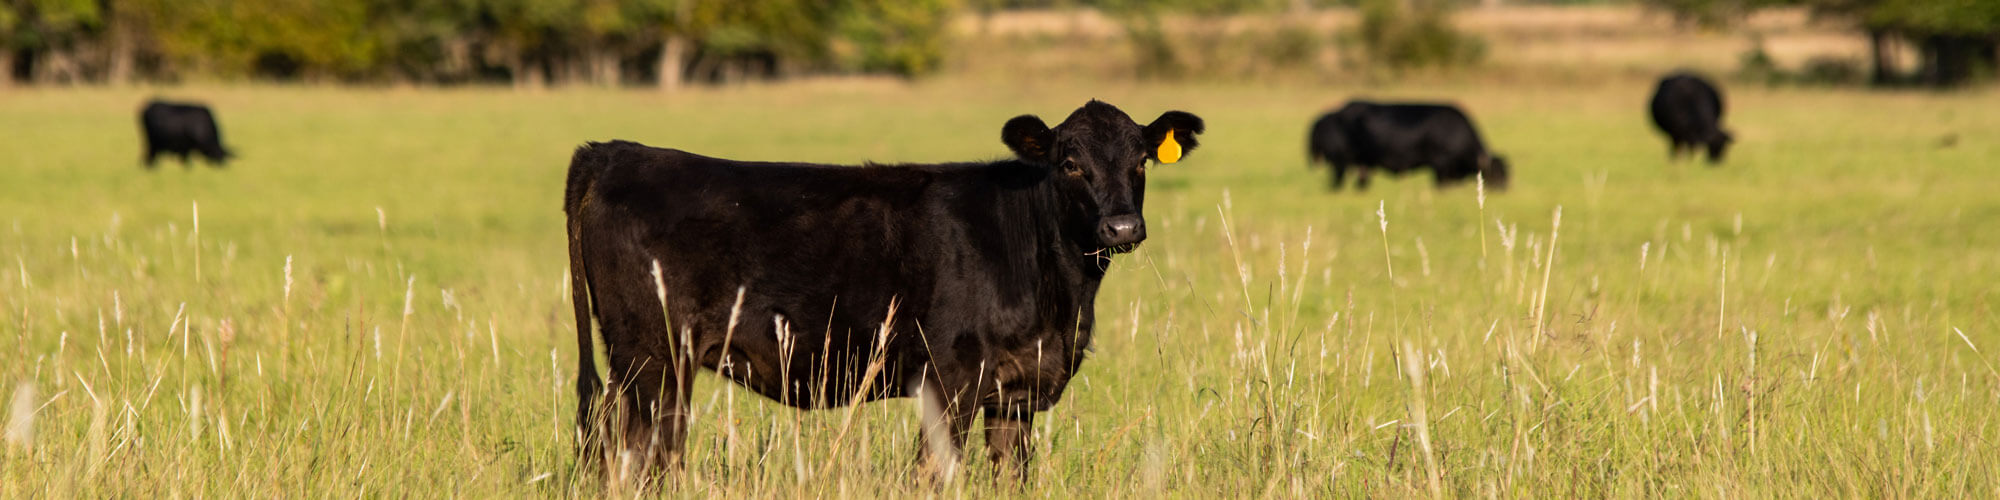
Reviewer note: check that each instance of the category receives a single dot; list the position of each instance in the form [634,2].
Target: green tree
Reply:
[1956,39]
[1408,34]
[905,37]
[53,33]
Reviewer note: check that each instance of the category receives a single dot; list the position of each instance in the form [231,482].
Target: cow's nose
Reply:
[1121,230]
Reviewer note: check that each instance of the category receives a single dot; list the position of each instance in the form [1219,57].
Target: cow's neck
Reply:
[1068,273]
[1067,276]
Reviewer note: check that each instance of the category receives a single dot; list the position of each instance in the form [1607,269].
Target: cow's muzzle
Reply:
[1120,233]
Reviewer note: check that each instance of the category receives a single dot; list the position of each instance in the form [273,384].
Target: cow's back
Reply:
[1403,136]
[1686,107]
[191,122]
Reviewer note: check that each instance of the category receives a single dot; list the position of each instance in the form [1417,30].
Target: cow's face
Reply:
[1494,169]
[1718,145]
[1097,160]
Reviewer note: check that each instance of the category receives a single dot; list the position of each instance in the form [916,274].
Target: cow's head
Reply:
[1097,161]
[1717,144]
[1494,169]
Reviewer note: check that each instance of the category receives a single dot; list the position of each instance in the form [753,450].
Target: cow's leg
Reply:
[947,404]
[1339,174]
[152,155]
[1009,440]
[653,402]
[1361,177]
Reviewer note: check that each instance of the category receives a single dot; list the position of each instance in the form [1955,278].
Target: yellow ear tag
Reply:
[1170,151]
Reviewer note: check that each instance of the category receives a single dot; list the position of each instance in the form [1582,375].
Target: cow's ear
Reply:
[1028,137]
[1171,136]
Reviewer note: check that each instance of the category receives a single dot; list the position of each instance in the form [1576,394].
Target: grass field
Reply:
[371,301]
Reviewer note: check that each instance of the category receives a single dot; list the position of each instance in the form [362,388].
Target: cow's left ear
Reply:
[1171,136]
[1028,137]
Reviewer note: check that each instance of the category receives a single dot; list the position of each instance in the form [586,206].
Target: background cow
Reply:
[1689,110]
[181,129]
[969,285]
[1400,138]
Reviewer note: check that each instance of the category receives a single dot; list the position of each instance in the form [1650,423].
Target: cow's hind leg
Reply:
[1009,440]
[652,407]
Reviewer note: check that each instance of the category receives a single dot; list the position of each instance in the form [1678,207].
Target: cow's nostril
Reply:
[1121,231]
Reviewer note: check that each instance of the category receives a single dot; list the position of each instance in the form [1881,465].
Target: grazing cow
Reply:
[968,285]
[181,129]
[1689,110]
[1400,138]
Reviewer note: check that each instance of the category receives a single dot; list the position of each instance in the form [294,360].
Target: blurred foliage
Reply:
[901,37]
[1712,14]
[526,41]
[1958,40]
[1411,34]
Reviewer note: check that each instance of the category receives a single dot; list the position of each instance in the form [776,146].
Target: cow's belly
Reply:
[814,371]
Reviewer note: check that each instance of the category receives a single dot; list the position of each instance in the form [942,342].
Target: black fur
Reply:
[181,129]
[991,270]
[1400,138]
[1688,109]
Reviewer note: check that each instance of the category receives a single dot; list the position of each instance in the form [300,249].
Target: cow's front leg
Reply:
[1010,440]
[946,404]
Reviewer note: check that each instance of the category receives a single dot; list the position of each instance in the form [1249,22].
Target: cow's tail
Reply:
[584,167]
[1313,154]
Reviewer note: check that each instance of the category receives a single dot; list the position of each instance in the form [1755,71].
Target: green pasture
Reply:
[371,301]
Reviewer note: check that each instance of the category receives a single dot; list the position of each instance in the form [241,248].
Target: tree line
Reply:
[672,42]
[526,42]
[1956,41]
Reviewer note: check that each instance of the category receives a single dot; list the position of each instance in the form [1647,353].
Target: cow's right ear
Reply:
[1028,137]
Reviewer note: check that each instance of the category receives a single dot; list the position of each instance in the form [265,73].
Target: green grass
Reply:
[1792,330]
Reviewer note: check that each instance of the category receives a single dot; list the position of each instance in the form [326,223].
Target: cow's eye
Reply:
[1069,166]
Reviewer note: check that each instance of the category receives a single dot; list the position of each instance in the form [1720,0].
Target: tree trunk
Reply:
[529,73]
[6,67]
[1949,59]
[609,72]
[704,69]
[457,60]
[118,70]
[1878,50]
[55,66]
[517,70]
[673,62]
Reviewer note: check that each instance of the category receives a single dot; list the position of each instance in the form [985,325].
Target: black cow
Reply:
[1400,138]
[181,129]
[1689,110]
[970,285]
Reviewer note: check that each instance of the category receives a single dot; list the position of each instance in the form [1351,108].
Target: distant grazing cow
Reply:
[968,285]
[181,129]
[1689,110]
[1400,138]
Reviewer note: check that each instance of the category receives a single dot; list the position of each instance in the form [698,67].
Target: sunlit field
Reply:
[371,301]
